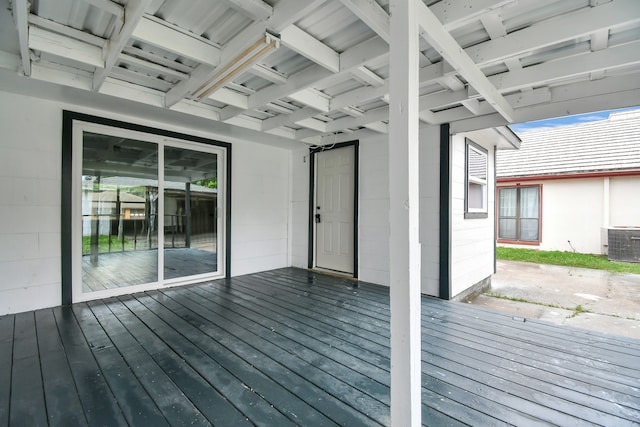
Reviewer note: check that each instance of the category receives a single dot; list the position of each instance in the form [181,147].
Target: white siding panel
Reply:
[260,208]
[299,213]
[472,254]
[373,231]
[30,170]
[30,173]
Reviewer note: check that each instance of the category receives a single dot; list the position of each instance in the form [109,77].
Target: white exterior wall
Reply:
[30,187]
[624,201]
[573,211]
[472,252]
[373,220]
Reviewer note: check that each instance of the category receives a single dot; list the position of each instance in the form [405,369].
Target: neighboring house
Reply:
[567,186]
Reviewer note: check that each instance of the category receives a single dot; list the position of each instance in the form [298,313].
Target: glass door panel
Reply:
[119,212]
[190,212]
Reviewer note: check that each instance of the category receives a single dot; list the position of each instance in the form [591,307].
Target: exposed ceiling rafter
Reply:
[446,45]
[20,16]
[134,10]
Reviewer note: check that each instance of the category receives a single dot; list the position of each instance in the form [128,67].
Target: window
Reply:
[519,214]
[476,181]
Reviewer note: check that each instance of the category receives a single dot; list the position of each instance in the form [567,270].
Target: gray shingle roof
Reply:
[606,145]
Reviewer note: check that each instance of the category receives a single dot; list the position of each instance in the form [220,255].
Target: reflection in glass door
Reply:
[190,212]
[135,196]
[119,212]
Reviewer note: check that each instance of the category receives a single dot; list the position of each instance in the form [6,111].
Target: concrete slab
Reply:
[579,297]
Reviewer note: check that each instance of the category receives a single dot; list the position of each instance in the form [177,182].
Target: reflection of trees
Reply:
[208,182]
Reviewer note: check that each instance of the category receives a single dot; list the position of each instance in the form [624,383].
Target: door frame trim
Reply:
[68,119]
[312,197]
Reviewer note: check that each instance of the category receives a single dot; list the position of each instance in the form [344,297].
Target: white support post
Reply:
[404,245]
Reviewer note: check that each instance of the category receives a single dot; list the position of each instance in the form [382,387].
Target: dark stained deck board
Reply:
[6,363]
[99,404]
[289,347]
[61,395]
[284,367]
[27,399]
[165,394]
[245,385]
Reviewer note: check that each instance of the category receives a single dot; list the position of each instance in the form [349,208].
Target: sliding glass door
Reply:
[147,211]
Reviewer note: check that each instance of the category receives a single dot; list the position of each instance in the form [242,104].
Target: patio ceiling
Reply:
[317,71]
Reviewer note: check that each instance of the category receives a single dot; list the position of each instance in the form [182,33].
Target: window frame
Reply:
[475,213]
[517,240]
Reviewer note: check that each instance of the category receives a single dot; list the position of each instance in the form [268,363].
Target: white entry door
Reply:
[334,209]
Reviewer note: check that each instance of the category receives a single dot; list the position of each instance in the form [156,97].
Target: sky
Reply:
[564,121]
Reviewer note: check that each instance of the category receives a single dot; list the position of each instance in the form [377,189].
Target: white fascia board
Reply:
[372,14]
[134,10]
[21,16]
[308,46]
[446,45]
[552,31]
[65,47]
[162,35]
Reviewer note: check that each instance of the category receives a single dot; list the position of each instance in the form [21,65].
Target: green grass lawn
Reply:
[569,259]
[103,244]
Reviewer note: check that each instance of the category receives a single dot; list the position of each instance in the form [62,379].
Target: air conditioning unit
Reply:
[624,244]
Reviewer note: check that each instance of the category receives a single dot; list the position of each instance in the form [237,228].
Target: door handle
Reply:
[318,218]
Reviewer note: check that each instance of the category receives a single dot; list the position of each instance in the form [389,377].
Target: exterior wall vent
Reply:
[624,244]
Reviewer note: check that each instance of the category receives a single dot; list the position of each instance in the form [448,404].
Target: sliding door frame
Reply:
[73,123]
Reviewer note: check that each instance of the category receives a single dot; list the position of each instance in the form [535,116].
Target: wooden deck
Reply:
[289,347]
